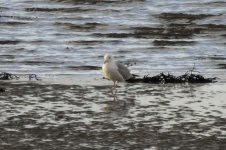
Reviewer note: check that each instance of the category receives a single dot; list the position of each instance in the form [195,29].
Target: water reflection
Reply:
[142,113]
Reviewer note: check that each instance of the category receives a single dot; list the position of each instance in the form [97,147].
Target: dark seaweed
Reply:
[169,78]
[2,90]
[33,76]
[8,76]
[188,77]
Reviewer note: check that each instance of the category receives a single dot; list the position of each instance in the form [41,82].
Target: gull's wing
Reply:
[124,71]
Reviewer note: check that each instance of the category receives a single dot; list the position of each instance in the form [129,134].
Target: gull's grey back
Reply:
[124,71]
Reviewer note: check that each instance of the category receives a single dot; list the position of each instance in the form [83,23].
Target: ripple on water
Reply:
[84,111]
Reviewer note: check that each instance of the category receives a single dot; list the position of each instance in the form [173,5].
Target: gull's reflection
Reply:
[120,103]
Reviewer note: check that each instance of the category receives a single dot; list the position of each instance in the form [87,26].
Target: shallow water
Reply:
[62,36]
[57,116]
[63,42]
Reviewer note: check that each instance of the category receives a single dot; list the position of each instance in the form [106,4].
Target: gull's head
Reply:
[108,58]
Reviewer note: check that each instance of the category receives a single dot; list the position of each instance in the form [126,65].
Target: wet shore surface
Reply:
[72,107]
[57,116]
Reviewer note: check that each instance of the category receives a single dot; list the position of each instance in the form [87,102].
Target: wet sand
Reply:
[48,114]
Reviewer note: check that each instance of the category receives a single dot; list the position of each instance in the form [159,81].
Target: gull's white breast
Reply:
[111,72]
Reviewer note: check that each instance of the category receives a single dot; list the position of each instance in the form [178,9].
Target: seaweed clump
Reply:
[8,76]
[169,78]
[31,76]
[188,77]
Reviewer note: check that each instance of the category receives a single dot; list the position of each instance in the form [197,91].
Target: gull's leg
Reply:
[115,84]
[114,90]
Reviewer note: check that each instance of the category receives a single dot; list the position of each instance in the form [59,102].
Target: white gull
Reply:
[114,70]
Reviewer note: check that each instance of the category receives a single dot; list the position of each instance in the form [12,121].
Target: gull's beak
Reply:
[105,61]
